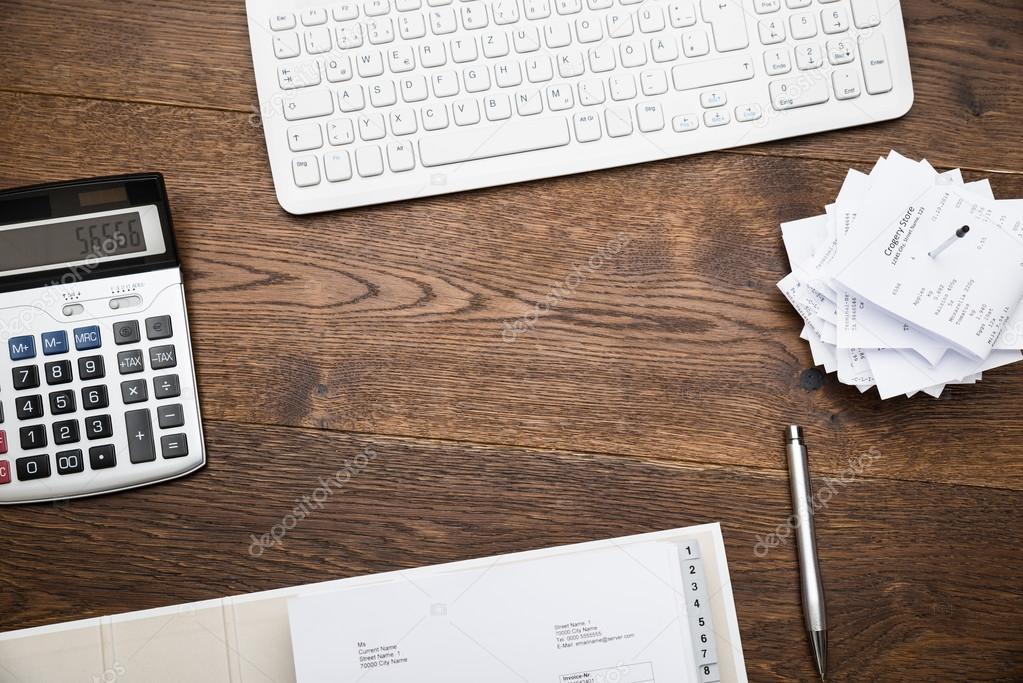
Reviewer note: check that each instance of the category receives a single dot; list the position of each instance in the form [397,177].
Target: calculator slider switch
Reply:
[73,309]
[125,302]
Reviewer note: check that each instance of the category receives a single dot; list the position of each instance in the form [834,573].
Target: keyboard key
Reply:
[338,68]
[809,56]
[803,25]
[314,16]
[95,397]
[467,112]
[369,161]
[54,342]
[62,402]
[159,327]
[498,106]
[371,127]
[791,93]
[174,445]
[87,338]
[766,6]
[70,462]
[307,104]
[304,138]
[511,137]
[403,121]
[91,367]
[771,31]
[126,332]
[169,416]
[25,377]
[712,72]
[286,45]
[865,14]
[834,20]
[587,126]
[3,442]
[162,357]
[717,117]
[695,44]
[681,13]
[139,428]
[33,436]
[399,156]
[340,132]
[28,407]
[840,51]
[129,362]
[98,427]
[777,62]
[748,112]
[685,123]
[33,467]
[306,171]
[58,372]
[5,472]
[102,457]
[653,82]
[346,10]
[351,98]
[874,59]
[282,21]
[134,391]
[22,348]
[713,98]
[846,83]
[166,386]
[65,432]
[649,117]
[618,121]
[728,23]
[337,166]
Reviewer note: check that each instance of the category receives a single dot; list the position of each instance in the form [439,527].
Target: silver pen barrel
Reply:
[806,544]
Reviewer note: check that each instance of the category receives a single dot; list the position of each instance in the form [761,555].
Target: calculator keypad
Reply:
[91,409]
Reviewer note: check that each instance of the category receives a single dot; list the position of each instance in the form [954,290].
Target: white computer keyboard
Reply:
[367,101]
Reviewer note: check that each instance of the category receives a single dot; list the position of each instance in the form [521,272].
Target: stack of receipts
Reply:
[912,280]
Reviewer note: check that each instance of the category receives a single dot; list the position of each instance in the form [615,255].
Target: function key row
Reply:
[87,338]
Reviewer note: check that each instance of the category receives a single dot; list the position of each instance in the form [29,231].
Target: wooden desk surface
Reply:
[652,397]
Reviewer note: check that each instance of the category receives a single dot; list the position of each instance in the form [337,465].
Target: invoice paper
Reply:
[608,614]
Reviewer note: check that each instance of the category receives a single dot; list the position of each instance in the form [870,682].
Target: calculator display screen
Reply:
[75,240]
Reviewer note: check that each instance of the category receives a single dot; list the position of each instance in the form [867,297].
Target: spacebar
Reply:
[513,137]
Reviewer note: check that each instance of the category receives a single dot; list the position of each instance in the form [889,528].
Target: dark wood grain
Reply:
[650,397]
[391,319]
[966,59]
[907,565]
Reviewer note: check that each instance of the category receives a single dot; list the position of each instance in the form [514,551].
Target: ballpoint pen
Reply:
[806,547]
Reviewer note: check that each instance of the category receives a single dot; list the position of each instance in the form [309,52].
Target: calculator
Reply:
[97,384]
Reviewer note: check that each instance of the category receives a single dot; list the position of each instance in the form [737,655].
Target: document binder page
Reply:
[612,614]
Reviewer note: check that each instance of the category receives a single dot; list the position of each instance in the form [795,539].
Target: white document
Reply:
[616,613]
